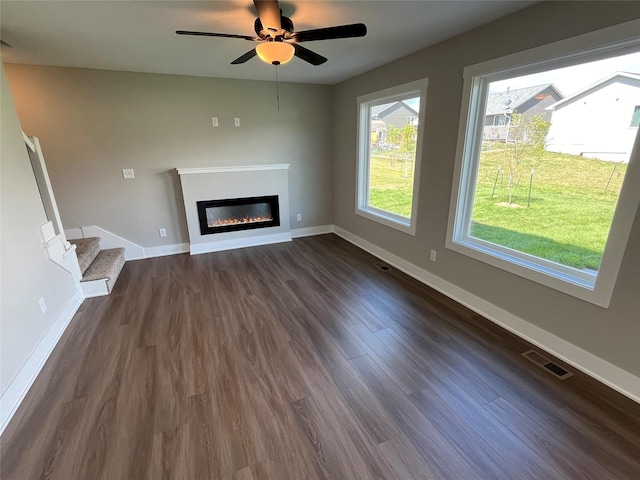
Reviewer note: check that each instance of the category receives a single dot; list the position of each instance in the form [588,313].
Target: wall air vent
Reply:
[547,364]
[382,266]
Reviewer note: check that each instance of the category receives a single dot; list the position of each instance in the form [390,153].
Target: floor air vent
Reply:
[382,266]
[547,364]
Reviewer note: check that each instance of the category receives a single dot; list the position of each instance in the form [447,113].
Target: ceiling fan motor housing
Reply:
[285,23]
[287,26]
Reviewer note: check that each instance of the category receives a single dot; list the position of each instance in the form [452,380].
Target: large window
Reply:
[389,150]
[543,193]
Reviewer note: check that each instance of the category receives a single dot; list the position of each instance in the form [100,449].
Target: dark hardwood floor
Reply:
[304,361]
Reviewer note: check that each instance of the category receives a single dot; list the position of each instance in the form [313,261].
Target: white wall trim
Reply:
[232,168]
[164,250]
[132,251]
[41,174]
[28,141]
[20,385]
[310,231]
[603,371]
[218,246]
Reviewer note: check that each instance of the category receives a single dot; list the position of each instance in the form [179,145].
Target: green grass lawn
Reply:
[391,184]
[568,218]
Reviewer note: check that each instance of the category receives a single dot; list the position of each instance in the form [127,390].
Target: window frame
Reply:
[364,104]
[595,288]
[498,118]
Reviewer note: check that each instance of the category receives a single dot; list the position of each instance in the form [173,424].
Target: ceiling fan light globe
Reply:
[277,53]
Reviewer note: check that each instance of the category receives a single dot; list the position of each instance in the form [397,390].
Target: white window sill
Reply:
[397,222]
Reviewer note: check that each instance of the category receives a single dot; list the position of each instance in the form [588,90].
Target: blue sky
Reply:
[572,79]
[568,80]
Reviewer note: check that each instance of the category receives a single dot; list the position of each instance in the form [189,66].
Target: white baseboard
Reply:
[132,251]
[218,246]
[136,252]
[310,231]
[18,388]
[164,250]
[603,371]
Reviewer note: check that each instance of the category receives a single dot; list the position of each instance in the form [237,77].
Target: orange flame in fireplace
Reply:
[239,221]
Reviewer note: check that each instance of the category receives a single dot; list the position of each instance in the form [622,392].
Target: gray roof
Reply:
[510,100]
[377,109]
[382,109]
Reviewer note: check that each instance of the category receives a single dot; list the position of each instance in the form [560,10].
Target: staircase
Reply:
[100,268]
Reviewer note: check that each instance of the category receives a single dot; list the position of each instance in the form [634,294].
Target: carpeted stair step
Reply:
[87,250]
[107,265]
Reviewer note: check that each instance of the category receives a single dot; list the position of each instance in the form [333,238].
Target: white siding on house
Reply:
[597,124]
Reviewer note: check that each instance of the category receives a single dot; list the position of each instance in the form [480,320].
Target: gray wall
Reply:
[93,123]
[612,334]
[26,273]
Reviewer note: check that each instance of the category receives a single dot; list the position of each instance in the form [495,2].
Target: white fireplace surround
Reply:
[223,182]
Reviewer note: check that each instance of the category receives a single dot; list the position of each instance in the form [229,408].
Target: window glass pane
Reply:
[392,155]
[635,119]
[551,167]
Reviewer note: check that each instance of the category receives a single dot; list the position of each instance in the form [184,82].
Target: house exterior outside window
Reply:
[389,154]
[635,119]
[588,270]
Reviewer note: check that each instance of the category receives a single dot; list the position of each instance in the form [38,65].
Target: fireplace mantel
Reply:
[232,168]
[204,184]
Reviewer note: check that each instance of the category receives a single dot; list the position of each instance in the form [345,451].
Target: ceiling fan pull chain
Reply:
[277,90]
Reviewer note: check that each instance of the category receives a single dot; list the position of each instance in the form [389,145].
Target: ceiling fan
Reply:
[277,40]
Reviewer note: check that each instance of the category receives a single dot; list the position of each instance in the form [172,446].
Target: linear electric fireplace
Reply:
[257,196]
[232,214]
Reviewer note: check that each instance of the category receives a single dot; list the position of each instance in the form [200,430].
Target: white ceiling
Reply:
[139,35]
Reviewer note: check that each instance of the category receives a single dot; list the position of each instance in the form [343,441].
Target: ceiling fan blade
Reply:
[247,56]
[330,33]
[307,55]
[269,13]
[209,34]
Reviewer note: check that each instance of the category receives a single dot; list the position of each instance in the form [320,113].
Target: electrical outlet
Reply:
[299,217]
[128,173]
[163,232]
[236,121]
[433,255]
[214,121]
[43,306]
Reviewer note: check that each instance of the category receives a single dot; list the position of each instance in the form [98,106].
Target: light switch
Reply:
[236,121]
[214,121]
[128,173]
